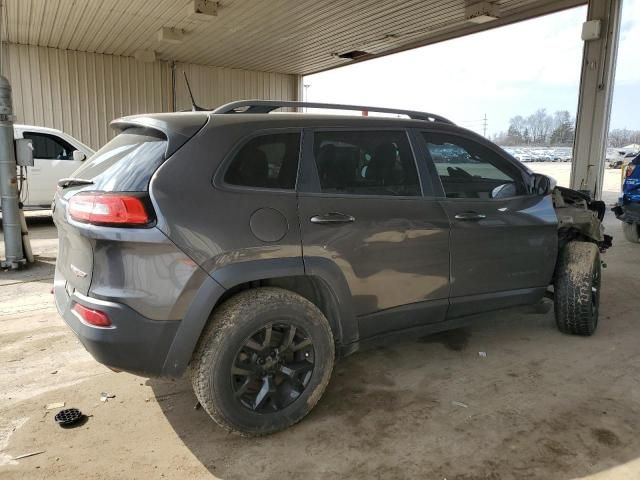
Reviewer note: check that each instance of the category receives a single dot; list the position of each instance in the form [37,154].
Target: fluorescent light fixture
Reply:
[481,12]
[202,9]
[170,35]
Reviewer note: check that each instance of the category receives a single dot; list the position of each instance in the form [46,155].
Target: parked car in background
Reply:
[249,249]
[628,207]
[56,155]
[620,158]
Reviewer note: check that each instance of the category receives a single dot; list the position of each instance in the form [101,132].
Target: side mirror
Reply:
[505,190]
[79,156]
[542,185]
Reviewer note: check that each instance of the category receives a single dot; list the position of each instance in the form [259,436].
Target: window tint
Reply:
[268,161]
[365,163]
[470,170]
[49,147]
[127,162]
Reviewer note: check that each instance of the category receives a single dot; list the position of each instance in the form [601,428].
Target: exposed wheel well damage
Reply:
[579,218]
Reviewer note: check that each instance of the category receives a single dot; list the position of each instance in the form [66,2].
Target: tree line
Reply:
[558,129]
[539,129]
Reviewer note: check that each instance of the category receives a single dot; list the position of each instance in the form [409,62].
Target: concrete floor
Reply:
[539,405]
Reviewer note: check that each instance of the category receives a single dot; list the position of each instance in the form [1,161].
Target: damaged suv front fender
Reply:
[579,218]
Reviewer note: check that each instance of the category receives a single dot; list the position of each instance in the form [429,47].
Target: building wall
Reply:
[80,93]
[214,86]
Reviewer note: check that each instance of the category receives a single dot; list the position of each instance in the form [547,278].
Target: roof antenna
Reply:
[194,106]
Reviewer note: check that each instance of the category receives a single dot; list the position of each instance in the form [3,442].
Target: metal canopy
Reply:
[294,36]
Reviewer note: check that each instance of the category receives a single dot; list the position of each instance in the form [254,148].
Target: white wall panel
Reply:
[214,86]
[80,93]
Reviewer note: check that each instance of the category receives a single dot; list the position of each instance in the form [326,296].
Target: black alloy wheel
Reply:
[273,367]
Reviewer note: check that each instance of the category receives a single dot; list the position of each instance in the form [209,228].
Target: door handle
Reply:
[469,216]
[331,218]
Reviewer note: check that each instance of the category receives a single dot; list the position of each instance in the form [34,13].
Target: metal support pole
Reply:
[594,102]
[11,224]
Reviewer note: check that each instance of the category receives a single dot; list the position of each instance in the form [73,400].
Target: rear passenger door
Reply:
[364,214]
[503,239]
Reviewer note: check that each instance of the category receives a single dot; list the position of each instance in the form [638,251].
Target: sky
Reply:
[507,71]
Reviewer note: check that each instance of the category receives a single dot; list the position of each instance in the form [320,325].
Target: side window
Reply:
[49,147]
[267,161]
[470,170]
[366,163]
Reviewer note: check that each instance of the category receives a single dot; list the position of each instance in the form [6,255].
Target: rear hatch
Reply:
[123,165]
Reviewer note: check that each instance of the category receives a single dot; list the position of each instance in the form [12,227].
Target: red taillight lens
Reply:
[629,170]
[108,209]
[91,316]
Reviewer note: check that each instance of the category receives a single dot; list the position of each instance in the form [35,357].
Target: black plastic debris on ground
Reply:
[70,417]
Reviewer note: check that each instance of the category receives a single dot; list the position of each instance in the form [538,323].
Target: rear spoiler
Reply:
[176,127]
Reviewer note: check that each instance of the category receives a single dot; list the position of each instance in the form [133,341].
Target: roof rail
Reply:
[266,106]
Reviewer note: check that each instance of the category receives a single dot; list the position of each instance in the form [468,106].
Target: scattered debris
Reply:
[70,417]
[52,406]
[460,404]
[482,354]
[104,396]
[30,454]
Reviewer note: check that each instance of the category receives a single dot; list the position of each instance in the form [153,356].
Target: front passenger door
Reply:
[364,217]
[503,239]
[52,160]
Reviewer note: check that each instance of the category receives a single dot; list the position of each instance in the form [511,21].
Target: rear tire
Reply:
[577,288]
[631,232]
[263,361]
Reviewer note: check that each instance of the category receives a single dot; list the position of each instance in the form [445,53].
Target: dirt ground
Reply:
[539,405]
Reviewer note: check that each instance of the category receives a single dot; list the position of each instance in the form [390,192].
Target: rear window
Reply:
[126,163]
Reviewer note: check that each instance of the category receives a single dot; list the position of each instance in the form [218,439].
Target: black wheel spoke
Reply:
[288,338]
[296,370]
[287,393]
[267,337]
[253,345]
[243,388]
[304,343]
[241,371]
[263,393]
[271,370]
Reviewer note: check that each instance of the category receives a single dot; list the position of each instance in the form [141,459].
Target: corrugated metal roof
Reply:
[288,36]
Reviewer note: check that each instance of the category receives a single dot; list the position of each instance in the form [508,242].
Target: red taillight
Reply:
[629,170]
[108,209]
[91,316]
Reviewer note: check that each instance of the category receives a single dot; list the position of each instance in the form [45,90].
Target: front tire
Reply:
[263,361]
[631,232]
[577,288]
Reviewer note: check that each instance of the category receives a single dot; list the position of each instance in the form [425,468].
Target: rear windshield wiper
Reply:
[73,182]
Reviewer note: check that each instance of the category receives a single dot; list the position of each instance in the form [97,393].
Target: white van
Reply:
[56,155]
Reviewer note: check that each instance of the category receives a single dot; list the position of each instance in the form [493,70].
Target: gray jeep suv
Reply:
[250,248]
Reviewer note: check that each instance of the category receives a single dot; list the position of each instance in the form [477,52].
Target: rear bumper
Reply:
[133,343]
